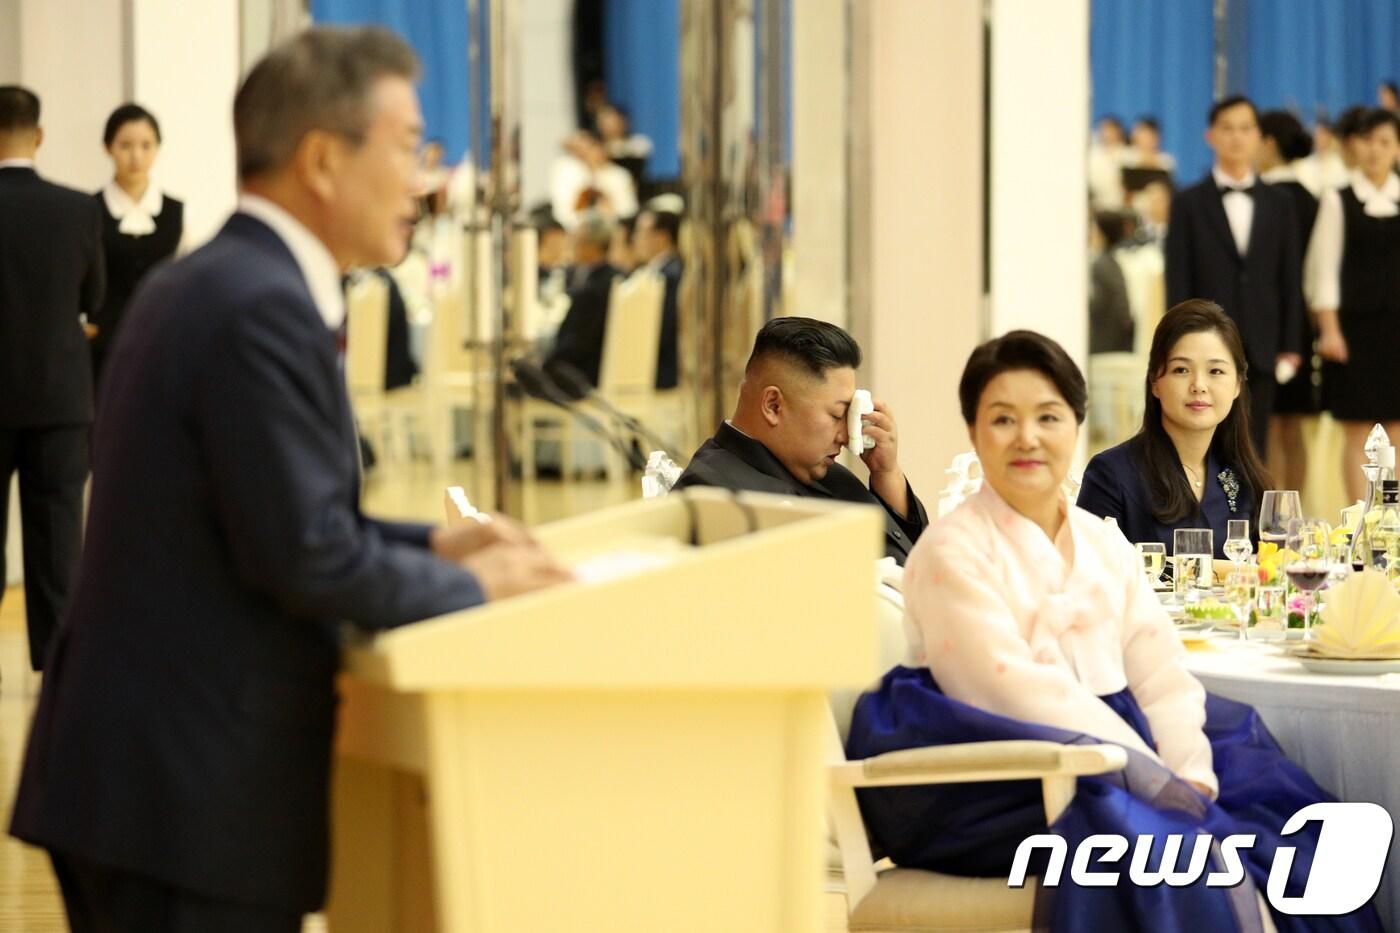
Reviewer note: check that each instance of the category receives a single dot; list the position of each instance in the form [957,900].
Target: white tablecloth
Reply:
[1345,730]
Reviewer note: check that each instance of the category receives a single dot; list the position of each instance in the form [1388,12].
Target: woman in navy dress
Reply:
[1031,619]
[1193,464]
[141,225]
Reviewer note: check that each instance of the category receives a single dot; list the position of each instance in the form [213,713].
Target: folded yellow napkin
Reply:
[1361,619]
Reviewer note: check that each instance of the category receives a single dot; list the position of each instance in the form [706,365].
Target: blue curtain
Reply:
[1312,56]
[1157,57]
[437,30]
[641,55]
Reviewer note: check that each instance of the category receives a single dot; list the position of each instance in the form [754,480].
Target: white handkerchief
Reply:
[1361,619]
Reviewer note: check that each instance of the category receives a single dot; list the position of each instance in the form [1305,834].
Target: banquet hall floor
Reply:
[29,898]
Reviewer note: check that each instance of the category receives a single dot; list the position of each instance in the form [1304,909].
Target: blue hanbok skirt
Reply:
[975,829]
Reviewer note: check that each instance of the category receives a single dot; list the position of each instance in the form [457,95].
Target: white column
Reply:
[547,94]
[9,42]
[185,70]
[916,212]
[819,161]
[71,55]
[1039,195]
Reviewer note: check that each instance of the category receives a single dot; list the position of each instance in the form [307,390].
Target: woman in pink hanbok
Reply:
[1032,620]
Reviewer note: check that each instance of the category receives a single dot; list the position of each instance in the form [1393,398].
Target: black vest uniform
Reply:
[1303,394]
[1367,386]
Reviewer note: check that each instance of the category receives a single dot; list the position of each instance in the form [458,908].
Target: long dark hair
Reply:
[1172,499]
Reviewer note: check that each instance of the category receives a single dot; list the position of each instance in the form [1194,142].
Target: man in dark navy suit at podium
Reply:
[790,425]
[178,769]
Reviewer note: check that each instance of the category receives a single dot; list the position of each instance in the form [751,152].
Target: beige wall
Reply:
[916,203]
[72,57]
[9,42]
[185,70]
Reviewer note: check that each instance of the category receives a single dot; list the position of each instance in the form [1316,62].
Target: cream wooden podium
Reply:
[640,754]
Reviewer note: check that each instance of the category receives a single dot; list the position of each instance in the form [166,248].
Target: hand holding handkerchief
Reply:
[1361,619]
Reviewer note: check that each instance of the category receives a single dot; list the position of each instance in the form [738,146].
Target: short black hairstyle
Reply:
[668,222]
[1150,122]
[19,108]
[1376,118]
[1115,226]
[1288,134]
[1112,118]
[1349,122]
[1391,87]
[128,113]
[1021,350]
[1226,103]
[813,345]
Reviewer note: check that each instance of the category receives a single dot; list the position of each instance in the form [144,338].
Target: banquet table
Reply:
[1344,729]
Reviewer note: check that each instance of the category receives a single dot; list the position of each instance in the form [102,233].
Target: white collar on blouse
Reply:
[318,266]
[137,217]
[1380,202]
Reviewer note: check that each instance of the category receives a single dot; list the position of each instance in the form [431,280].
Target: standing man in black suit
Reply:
[790,425]
[1234,241]
[178,768]
[658,233]
[50,274]
[578,347]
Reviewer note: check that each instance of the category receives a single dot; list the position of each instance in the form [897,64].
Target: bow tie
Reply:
[1229,189]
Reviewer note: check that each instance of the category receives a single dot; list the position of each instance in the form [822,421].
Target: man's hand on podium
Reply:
[506,569]
[457,542]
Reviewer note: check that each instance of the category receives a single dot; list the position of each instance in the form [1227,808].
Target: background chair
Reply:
[385,417]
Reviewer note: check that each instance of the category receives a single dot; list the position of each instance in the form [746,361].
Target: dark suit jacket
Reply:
[1110,318]
[1261,291]
[184,729]
[667,374]
[579,343]
[51,271]
[1115,485]
[733,460]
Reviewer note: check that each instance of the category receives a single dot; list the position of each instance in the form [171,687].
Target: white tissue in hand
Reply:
[1361,619]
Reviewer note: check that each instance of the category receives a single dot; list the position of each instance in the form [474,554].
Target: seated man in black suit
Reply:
[178,769]
[790,424]
[579,343]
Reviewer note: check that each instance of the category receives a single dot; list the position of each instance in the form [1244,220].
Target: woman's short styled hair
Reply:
[128,113]
[320,80]
[1021,350]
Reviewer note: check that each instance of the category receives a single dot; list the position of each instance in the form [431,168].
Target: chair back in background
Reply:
[367,334]
[632,337]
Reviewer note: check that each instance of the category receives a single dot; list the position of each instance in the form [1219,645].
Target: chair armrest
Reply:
[979,761]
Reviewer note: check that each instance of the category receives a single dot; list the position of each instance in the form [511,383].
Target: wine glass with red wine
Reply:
[1309,539]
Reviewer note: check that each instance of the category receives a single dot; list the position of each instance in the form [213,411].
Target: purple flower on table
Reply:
[1298,602]
[1231,484]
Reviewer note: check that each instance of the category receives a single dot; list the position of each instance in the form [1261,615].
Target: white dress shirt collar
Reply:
[16,163]
[1380,202]
[317,266]
[1225,181]
[137,218]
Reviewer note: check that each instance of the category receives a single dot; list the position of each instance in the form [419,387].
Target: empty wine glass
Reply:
[1276,509]
[1310,540]
[1238,547]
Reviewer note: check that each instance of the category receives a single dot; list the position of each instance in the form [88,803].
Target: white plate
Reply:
[1346,666]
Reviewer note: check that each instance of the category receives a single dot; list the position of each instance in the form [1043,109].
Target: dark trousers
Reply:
[53,465]
[99,899]
[1262,389]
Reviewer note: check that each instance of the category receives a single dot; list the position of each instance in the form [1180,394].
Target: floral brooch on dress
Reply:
[1231,485]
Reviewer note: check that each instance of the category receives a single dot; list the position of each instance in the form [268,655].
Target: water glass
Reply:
[1192,552]
[1238,547]
[1154,559]
[1240,589]
[1270,614]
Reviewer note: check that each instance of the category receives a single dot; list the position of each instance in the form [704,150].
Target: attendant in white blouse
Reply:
[1356,243]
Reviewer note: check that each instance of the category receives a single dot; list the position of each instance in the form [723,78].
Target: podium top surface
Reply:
[699,590]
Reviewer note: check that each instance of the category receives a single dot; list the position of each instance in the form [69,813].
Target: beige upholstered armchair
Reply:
[907,899]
